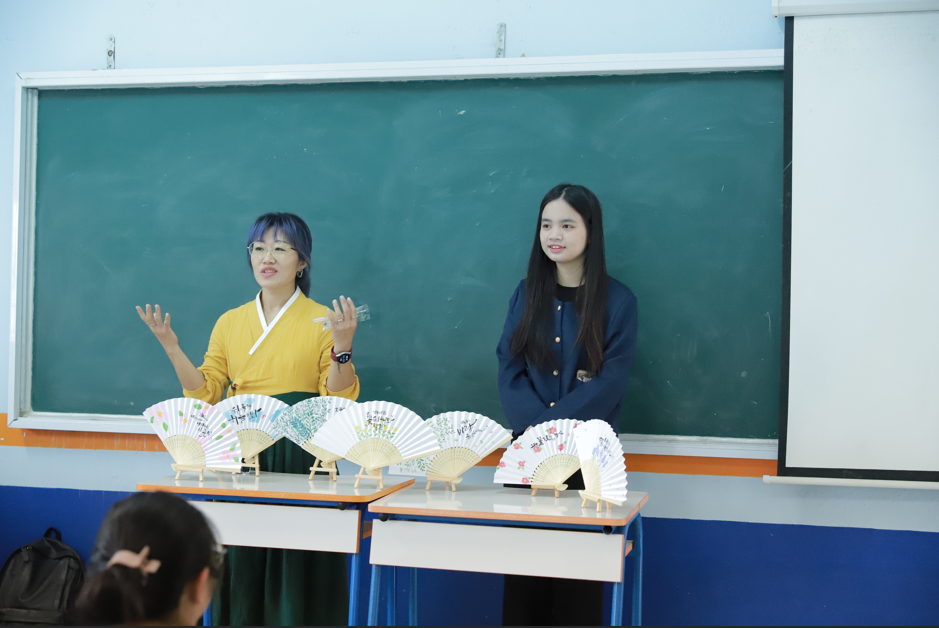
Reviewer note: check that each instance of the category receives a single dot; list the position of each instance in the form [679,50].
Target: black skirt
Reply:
[274,587]
[533,601]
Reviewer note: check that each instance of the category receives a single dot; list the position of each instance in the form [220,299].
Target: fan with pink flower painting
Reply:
[544,457]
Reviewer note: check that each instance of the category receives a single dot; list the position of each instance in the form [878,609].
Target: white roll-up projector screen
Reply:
[864,307]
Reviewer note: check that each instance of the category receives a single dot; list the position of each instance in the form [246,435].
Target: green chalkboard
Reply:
[422,198]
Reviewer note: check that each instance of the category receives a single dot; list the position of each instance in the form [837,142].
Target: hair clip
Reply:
[127,558]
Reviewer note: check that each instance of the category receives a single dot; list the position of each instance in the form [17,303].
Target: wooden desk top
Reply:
[286,486]
[507,504]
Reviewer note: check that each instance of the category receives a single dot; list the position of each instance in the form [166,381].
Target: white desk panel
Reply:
[507,550]
[284,527]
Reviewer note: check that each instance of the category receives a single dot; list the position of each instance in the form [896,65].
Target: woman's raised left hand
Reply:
[343,319]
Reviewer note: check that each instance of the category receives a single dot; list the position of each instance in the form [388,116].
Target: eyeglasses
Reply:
[259,250]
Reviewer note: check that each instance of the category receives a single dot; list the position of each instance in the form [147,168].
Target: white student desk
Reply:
[286,511]
[504,530]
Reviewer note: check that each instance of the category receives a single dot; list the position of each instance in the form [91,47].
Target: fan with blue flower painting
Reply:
[254,419]
[604,468]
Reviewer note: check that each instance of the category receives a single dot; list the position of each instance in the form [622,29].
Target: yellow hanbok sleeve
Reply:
[326,359]
[215,365]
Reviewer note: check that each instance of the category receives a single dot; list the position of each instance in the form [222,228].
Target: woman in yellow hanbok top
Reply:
[271,346]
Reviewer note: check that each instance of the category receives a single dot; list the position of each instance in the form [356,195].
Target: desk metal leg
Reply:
[637,571]
[207,615]
[616,613]
[412,598]
[391,597]
[374,595]
[355,579]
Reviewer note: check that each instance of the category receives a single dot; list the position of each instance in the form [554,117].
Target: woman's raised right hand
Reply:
[160,327]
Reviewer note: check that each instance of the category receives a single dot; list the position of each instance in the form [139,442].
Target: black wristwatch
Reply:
[341,358]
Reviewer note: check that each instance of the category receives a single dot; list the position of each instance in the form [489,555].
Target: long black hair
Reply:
[178,536]
[532,337]
[292,228]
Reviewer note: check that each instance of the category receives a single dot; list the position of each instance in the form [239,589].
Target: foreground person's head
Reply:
[155,561]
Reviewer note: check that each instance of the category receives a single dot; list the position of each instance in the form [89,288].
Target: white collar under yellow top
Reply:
[267,328]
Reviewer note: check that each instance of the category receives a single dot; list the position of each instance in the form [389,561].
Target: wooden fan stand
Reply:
[556,487]
[448,482]
[253,463]
[325,467]
[366,474]
[593,497]
[180,468]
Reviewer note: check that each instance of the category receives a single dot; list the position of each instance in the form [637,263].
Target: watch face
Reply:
[342,358]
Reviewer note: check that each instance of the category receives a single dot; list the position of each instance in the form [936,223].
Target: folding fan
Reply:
[601,459]
[253,418]
[300,422]
[465,438]
[376,434]
[543,457]
[195,435]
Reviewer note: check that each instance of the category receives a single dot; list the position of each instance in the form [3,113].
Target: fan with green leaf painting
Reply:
[465,438]
[195,435]
[301,421]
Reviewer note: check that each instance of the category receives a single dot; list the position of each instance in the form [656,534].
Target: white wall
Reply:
[48,35]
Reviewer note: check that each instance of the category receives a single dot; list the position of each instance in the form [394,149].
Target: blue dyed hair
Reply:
[291,229]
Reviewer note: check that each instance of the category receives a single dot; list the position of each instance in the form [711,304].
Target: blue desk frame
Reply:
[632,530]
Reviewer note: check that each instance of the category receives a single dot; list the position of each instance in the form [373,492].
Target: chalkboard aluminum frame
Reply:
[28,85]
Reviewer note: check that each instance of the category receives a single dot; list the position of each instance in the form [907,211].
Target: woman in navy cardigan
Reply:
[565,353]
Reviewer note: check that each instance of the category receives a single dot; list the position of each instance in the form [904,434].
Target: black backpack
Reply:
[40,581]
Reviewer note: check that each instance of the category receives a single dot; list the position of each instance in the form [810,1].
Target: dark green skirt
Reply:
[273,587]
